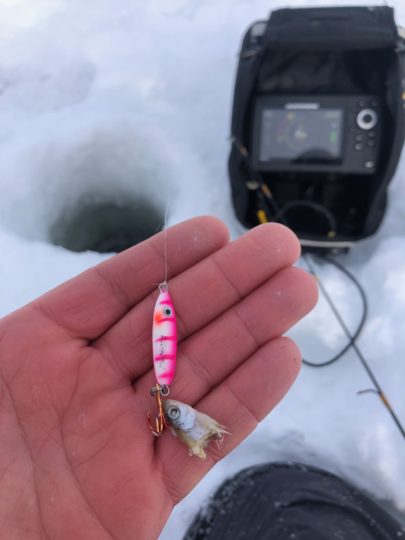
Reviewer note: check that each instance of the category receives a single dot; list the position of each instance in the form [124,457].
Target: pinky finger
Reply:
[239,403]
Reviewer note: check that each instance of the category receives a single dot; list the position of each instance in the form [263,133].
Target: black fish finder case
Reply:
[318,122]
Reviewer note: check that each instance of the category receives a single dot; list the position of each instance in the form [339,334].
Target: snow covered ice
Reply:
[108,101]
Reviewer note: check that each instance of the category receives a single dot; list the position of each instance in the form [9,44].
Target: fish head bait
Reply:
[193,428]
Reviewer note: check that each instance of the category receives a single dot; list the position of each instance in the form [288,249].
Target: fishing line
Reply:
[165,234]
[163,286]
[268,204]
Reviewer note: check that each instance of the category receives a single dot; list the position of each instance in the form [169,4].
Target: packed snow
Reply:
[105,100]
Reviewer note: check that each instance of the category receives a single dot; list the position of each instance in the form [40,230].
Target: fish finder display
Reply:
[301,135]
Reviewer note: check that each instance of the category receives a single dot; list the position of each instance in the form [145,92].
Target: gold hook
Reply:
[160,420]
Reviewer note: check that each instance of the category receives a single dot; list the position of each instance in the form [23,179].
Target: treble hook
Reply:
[160,420]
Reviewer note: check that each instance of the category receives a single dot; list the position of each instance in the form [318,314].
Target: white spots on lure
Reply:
[193,428]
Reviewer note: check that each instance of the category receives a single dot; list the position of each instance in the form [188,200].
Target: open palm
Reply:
[77,459]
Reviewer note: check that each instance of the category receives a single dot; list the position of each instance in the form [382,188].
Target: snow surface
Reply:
[108,100]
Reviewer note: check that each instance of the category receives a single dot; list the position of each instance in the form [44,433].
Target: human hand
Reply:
[77,458]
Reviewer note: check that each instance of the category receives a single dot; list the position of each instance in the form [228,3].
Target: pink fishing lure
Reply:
[164,338]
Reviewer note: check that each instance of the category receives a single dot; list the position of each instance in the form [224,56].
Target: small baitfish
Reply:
[164,338]
[192,427]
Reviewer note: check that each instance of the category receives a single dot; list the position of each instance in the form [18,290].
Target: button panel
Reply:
[363,126]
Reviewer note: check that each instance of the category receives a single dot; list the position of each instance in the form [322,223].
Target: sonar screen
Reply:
[301,135]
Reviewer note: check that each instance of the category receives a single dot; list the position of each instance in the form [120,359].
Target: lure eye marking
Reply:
[167,312]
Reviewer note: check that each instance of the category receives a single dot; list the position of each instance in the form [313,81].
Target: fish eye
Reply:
[167,311]
[174,413]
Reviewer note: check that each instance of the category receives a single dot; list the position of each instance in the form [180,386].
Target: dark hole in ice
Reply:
[107,227]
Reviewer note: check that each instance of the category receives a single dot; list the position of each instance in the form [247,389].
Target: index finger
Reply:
[89,304]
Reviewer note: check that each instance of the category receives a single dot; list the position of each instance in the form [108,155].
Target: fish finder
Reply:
[325,134]
[318,122]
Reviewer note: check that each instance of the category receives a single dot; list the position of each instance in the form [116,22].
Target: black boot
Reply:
[281,501]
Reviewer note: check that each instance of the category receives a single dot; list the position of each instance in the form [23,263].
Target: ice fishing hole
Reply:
[106,226]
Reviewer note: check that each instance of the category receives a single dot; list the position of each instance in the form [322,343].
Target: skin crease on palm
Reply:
[77,459]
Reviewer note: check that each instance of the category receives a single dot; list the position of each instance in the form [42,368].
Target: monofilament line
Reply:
[165,234]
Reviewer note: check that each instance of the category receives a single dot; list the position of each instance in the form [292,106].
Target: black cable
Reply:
[352,338]
[265,195]
[268,197]
[319,208]
[353,341]
[278,212]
